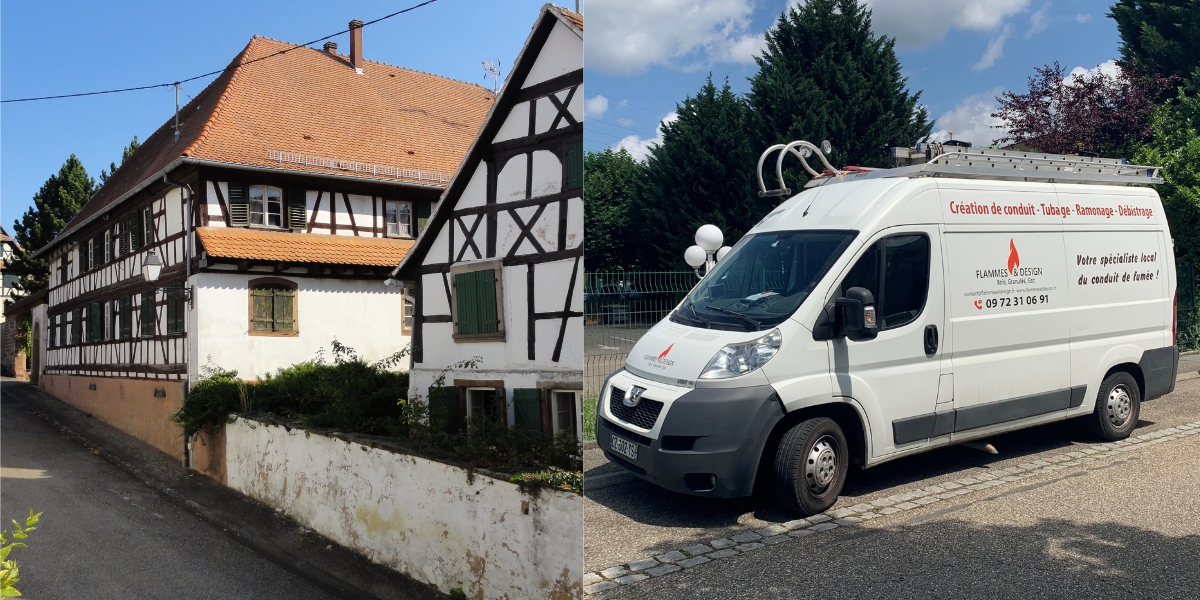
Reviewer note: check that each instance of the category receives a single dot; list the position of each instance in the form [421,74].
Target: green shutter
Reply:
[575,166]
[475,295]
[148,313]
[76,325]
[175,308]
[126,307]
[134,224]
[148,221]
[443,408]
[96,321]
[297,209]
[285,302]
[262,309]
[123,243]
[239,205]
[527,404]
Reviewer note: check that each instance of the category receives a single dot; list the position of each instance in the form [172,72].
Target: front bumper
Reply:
[709,441]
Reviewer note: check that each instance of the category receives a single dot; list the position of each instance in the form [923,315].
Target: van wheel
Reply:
[810,466]
[1117,407]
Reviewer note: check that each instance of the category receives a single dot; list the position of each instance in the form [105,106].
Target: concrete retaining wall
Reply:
[127,404]
[434,522]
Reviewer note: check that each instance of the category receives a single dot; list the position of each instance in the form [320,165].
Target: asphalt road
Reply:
[956,550]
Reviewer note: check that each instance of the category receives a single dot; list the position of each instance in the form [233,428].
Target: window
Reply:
[484,404]
[564,412]
[76,326]
[148,220]
[95,322]
[398,218]
[114,320]
[148,314]
[62,269]
[901,291]
[266,206]
[477,307]
[82,260]
[108,246]
[133,231]
[272,307]
[406,318]
[125,306]
[175,307]
[575,166]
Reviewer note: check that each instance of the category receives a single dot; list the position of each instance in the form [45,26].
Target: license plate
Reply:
[623,447]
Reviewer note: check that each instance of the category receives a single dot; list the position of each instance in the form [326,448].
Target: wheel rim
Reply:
[820,467]
[1119,406]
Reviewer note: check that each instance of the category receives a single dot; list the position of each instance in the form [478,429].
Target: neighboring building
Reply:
[8,279]
[294,181]
[498,273]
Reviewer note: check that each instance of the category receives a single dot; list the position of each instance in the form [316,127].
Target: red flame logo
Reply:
[664,352]
[1014,260]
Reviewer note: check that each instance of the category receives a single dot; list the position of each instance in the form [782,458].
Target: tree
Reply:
[825,76]
[1158,37]
[1175,146]
[610,181]
[54,205]
[126,152]
[702,172]
[1091,111]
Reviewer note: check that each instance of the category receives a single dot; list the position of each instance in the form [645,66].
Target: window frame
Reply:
[576,414]
[411,219]
[407,311]
[492,336]
[266,203]
[480,386]
[881,272]
[272,281]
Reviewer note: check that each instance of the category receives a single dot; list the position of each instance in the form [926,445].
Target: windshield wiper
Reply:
[706,322]
[757,326]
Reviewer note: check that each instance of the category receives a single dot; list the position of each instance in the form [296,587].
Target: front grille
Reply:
[644,415]
[625,433]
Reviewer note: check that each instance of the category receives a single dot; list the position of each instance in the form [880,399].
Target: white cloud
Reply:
[595,107]
[995,50]
[623,122]
[1039,21]
[918,23]
[972,120]
[628,36]
[640,148]
[1082,18]
[1109,68]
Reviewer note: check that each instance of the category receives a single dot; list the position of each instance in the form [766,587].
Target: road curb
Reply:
[599,482]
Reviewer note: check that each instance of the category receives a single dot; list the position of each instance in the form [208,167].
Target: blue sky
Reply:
[643,56]
[58,47]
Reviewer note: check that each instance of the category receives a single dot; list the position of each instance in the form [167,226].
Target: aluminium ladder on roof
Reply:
[978,163]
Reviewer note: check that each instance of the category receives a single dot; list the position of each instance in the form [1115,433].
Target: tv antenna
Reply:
[491,70]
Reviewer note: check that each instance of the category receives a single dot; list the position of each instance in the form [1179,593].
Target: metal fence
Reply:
[1187,325]
[618,307]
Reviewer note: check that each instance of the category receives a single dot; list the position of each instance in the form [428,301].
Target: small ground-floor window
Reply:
[484,404]
[272,307]
[564,411]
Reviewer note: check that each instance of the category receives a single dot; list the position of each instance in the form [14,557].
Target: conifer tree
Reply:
[610,182]
[825,76]
[54,205]
[1158,37]
[126,152]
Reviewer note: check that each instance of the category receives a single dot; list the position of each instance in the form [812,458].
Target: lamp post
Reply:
[708,249]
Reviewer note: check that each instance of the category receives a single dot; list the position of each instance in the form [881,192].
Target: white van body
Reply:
[1036,292]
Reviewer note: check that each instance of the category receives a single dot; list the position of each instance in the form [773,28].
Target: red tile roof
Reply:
[282,246]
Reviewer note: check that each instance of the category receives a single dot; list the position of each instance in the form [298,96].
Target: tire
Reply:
[810,466]
[1118,405]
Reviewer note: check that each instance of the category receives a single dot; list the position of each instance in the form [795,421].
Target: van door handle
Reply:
[931,340]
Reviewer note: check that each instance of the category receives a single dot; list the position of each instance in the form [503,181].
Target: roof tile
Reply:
[254,244]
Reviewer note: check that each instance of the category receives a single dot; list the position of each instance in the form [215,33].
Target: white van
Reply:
[880,314]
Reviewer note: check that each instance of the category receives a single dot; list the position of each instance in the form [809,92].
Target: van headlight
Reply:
[739,359]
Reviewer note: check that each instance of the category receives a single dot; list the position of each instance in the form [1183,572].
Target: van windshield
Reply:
[763,279]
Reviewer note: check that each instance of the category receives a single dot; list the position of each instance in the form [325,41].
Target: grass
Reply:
[589,418]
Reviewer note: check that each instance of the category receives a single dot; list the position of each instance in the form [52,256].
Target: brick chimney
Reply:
[331,47]
[356,57]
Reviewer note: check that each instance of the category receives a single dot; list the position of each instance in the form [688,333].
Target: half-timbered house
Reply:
[276,202]
[498,273]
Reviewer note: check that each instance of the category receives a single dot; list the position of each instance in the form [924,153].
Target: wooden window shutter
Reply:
[126,307]
[239,205]
[285,303]
[148,221]
[297,212]
[96,320]
[262,309]
[443,408]
[134,225]
[148,314]
[76,325]
[123,244]
[575,166]
[175,308]
[527,405]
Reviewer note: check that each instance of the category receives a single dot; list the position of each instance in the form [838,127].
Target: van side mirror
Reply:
[855,315]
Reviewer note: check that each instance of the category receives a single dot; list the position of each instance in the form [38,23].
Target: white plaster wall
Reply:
[475,194]
[431,521]
[364,315]
[515,125]
[562,54]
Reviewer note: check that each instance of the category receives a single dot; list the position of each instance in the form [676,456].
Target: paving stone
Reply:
[1059,458]
[671,556]
[882,502]
[840,513]
[867,516]
[772,530]
[1039,463]
[746,536]
[950,485]
[697,549]
[984,476]
[749,547]
[691,562]
[722,543]
[946,495]
[966,481]
[819,518]
[977,486]
[801,533]
[935,489]
[726,553]
[797,524]
[590,578]
[642,565]
[1076,454]
[1054,467]
[848,521]
[598,587]
[1027,475]
[864,507]
[628,579]
[823,527]
[962,492]
[889,510]
[663,570]
[775,539]
[1010,478]
[918,493]
[614,572]
[928,500]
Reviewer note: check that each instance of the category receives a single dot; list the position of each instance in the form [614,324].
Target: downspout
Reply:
[188,291]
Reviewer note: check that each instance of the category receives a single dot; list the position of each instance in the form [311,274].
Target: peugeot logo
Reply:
[633,395]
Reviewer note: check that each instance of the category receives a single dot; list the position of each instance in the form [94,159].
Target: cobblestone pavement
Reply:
[636,532]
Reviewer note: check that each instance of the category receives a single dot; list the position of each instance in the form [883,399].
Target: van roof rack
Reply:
[937,160]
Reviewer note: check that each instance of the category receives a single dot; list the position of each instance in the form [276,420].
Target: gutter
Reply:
[182,160]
